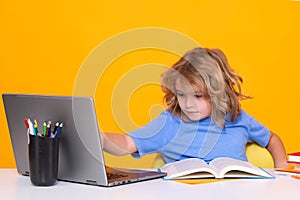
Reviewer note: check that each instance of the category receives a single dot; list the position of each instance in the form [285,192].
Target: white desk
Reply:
[15,186]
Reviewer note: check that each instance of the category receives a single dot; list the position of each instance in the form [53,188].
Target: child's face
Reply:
[192,103]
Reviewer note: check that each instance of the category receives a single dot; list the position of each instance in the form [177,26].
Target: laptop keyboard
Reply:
[115,175]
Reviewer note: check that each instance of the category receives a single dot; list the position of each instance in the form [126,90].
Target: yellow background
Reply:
[44,43]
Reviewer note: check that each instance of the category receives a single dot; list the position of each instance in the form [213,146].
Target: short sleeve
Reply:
[258,133]
[152,137]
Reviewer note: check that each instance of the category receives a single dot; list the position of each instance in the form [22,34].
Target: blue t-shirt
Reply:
[175,139]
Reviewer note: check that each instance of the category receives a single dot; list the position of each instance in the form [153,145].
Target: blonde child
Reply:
[203,118]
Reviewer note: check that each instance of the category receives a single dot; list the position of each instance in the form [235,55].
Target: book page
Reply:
[229,167]
[191,166]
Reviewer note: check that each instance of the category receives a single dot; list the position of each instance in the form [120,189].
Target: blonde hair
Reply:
[209,71]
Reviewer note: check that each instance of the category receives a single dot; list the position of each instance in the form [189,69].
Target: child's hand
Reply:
[282,165]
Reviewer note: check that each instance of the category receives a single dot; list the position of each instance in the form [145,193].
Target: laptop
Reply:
[81,157]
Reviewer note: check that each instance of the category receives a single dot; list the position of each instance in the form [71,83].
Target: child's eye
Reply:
[198,96]
[180,94]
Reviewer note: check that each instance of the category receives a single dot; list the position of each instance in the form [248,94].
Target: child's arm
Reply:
[276,148]
[118,144]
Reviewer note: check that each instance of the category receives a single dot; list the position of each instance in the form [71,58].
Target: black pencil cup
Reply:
[43,160]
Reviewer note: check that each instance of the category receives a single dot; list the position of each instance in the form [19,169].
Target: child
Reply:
[203,118]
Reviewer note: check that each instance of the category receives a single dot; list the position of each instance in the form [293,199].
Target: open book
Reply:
[223,167]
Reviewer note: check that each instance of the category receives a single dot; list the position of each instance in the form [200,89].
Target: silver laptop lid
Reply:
[80,155]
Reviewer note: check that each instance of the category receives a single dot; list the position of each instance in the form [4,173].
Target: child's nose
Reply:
[189,103]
